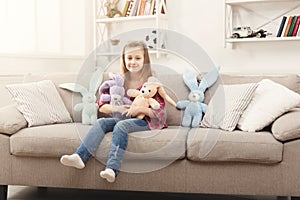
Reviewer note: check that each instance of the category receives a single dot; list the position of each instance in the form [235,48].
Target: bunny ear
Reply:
[119,80]
[190,80]
[74,87]
[209,79]
[96,80]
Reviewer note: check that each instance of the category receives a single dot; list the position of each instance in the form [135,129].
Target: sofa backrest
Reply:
[173,84]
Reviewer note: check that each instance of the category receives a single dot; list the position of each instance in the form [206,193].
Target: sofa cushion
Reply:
[58,139]
[69,98]
[237,146]
[39,102]
[227,105]
[11,120]
[287,126]
[270,100]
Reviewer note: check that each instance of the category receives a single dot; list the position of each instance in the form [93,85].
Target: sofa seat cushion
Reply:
[211,145]
[58,139]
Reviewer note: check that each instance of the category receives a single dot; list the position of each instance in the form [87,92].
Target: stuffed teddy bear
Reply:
[194,106]
[143,97]
[112,9]
[116,95]
[88,106]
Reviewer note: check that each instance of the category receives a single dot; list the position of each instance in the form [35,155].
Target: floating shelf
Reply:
[132,18]
[273,39]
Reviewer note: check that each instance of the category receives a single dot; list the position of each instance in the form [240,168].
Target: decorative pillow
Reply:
[270,100]
[39,102]
[11,120]
[227,105]
[287,126]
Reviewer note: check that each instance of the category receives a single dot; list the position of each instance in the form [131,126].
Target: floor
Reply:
[33,193]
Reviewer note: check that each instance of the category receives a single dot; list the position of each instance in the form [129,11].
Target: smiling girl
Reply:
[136,69]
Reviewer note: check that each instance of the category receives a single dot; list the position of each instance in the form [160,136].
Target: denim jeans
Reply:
[120,129]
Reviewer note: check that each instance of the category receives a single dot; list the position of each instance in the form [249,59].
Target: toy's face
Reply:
[115,97]
[148,90]
[194,97]
[89,98]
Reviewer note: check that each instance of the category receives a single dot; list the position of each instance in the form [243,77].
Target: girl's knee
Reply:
[121,126]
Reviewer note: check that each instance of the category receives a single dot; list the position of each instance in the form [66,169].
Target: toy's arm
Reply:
[133,92]
[204,107]
[153,103]
[78,107]
[127,101]
[182,104]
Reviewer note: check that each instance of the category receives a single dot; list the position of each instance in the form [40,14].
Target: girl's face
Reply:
[134,59]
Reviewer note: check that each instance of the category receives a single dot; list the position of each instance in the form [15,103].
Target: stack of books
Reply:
[289,26]
[139,8]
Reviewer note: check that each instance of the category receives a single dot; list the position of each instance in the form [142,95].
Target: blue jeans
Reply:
[120,129]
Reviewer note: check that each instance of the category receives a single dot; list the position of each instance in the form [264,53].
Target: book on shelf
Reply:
[142,8]
[135,7]
[288,25]
[125,8]
[152,8]
[129,9]
[291,30]
[296,26]
[147,7]
[283,20]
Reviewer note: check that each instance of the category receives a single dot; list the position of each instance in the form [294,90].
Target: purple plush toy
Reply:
[116,96]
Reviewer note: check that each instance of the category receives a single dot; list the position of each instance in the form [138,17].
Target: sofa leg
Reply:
[3,192]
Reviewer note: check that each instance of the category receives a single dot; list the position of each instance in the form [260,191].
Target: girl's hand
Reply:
[120,109]
[134,111]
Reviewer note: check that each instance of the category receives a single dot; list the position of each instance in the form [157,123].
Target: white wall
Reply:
[202,21]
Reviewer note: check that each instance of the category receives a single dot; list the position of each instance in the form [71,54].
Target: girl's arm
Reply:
[108,108]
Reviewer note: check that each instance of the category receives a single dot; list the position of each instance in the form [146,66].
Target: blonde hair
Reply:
[146,70]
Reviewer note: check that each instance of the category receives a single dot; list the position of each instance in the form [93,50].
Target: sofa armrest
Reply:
[11,120]
[287,126]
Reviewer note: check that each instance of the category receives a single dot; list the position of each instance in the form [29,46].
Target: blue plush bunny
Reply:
[194,106]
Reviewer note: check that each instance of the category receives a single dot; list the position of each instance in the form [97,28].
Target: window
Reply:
[54,27]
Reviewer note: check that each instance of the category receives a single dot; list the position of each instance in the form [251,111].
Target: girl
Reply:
[135,67]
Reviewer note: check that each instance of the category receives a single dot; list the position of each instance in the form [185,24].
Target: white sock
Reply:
[73,160]
[108,174]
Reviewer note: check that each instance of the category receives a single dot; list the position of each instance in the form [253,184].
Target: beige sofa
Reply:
[241,163]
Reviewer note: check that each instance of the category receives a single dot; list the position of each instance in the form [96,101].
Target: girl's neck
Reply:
[134,80]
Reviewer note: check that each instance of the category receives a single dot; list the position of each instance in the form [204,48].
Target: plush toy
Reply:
[89,107]
[116,92]
[194,106]
[143,97]
[112,8]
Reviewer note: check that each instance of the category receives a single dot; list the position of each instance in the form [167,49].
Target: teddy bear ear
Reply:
[154,80]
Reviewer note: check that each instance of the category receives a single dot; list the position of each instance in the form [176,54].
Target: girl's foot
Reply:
[73,160]
[108,174]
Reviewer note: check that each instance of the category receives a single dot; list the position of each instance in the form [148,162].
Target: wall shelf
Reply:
[256,14]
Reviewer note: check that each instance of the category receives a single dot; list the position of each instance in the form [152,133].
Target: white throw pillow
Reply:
[270,100]
[40,103]
[227,105]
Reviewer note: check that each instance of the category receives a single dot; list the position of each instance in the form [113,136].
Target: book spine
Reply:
[296,26]
[125,8]
[136,7]
[281,26]
[129,8]
[147,7]
[288,26]
[290,33]
[142,7]
[133,7]
[152,8]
